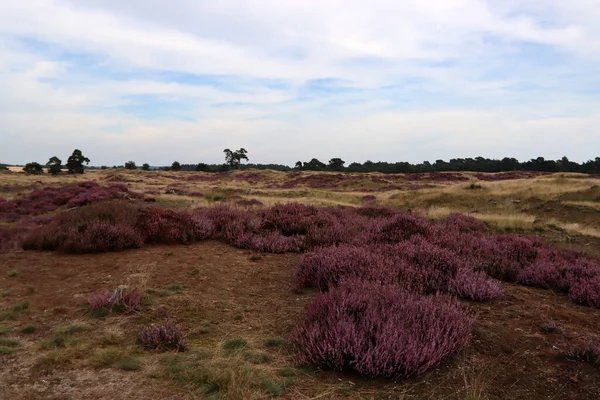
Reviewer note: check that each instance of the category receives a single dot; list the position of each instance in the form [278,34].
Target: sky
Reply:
[384,80]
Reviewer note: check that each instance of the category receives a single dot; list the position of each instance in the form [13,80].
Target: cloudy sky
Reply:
[156,81]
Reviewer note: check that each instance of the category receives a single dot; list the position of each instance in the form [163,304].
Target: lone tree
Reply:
[298,165]
[130,165]
[33,168]
[234,158]
[54,165]
[336,164]
[146,167]
[75,162]
[176,166]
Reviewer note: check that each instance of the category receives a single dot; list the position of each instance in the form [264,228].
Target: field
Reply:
[240,262]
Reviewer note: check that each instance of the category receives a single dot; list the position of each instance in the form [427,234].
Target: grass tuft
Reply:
[234,344]
[28,329]
[275,342]
[128,363]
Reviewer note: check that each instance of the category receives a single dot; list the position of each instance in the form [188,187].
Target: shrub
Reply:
[162,337]
[157,225]
[474,285]
[402,227]
[293,218]
[586,291]
[585,352]
[100,237]
[122,299]
[380,331]
[326,267]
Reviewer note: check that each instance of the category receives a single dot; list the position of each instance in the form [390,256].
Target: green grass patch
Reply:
[52,343]
[234,344]
[106,358]
[276,388]
[9,342]
[20,307]
[29,289]
[5,351]
[12,274]
[195,271]
[174,287]
[287,372]
[128,363]
[275,342]
[69,329]
[257,358]
[28,329]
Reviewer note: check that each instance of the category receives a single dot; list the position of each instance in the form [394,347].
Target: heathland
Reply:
[299,285]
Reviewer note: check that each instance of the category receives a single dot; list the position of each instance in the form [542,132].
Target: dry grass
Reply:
[595,205]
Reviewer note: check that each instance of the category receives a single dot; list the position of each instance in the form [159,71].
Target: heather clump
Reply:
[164,226]
[48,199]
[164,337]
[326,267]
[379,330]
[121,299]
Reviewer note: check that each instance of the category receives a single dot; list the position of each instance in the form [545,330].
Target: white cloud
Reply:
[438,79]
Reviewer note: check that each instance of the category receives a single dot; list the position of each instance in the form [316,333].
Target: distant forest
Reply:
[478,164]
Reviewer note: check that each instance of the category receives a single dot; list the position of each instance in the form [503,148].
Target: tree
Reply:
[336,164]
[146,167]
[176,166]
[130,165]
[298,165]
[54,165]
[314,165]
[75,162]
[234,158]
[202,167]
[33,168]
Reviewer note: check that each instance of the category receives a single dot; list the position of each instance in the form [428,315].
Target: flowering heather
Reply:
[326,267]
[451,255]
[380,331]
[586,291]
[48,199]
[163,337]
[401,227]
[294,218]
[157,225]
[586,352]
[100,237]
[474,285]
[122,299]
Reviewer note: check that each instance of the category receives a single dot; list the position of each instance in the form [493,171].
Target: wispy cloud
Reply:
[414,80]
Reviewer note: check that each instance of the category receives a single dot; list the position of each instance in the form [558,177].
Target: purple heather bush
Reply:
[586,291]
[326,267]
[451,255]
[122,299]
[379,330]
[584,351]
[163,337]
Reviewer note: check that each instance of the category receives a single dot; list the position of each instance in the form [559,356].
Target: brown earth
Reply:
[242,294]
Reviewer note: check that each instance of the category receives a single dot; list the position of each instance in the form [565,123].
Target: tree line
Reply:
[234,160]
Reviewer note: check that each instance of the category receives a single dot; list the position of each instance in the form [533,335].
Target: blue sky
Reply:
[155,81]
